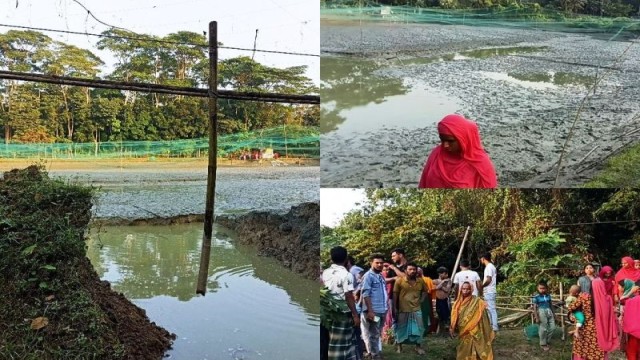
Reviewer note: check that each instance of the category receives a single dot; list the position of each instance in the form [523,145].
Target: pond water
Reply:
[355,100]
[254,308]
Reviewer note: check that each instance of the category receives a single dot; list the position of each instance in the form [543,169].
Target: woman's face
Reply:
[589,270]
[636,264]
[450,144]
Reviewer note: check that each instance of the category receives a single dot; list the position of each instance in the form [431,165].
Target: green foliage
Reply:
[72,114]
[331,309]
[544,257]
[622,170]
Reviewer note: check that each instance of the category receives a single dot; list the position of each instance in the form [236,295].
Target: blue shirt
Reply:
[355,271]
[374,287]
[542,301]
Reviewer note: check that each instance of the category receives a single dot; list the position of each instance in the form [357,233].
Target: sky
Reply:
[283,25]
[335,203]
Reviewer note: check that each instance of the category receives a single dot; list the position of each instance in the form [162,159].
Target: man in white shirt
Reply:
[489,288]
[340,283]
[466,275]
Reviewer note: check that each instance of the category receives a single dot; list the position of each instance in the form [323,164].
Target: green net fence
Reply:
[289,141]
[514,15]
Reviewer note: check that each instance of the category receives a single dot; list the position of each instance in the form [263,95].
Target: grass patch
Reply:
[622,170]
[52,303]
[509,344]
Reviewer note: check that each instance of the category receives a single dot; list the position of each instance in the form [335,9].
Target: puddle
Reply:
[355,100]
[542,81]
[470,54]
[252,306]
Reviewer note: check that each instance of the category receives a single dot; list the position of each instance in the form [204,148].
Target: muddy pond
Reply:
[384,87]
[254,308]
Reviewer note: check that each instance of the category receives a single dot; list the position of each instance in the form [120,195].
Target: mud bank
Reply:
[524,102]
[292,238]
[52,302]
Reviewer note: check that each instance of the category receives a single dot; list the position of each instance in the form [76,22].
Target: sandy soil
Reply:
[523,129]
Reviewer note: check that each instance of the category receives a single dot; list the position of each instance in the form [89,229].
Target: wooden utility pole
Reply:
[205,254]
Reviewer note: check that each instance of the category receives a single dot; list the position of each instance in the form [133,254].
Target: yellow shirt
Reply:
[409,295]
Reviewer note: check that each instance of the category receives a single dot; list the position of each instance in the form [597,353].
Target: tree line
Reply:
[45,113]
[606,8]
[533,234]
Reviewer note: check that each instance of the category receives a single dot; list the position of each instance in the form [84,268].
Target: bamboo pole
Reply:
[562,311]
[512,309]
[455,267]
[157,88]
[213,150]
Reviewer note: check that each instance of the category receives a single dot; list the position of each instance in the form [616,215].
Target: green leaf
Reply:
[49,267]
[43,285]
[29,250]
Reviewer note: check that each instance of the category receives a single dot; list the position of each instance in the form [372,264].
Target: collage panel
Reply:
[461,94]
[480,274]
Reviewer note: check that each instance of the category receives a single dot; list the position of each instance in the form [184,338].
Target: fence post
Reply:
[213,159]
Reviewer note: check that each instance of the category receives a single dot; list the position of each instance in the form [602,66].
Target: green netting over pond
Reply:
[292,141]
[526,16]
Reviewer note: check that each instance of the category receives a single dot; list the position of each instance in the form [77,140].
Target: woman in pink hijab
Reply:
[611,289]
[628,270]
[631,326]
[460,160]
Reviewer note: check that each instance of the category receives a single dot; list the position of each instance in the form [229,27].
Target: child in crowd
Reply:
[574,292]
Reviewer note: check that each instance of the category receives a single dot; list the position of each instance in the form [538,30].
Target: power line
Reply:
[95,18]
[160,41]
[163,89]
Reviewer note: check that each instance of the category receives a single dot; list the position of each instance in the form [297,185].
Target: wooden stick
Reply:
[455,267]
[512,309]
[203,274]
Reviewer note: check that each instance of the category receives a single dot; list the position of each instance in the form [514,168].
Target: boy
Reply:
[543,314]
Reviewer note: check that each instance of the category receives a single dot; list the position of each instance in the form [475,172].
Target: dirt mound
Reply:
[52,302]
[292,238]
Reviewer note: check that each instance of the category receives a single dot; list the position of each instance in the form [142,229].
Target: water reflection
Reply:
[252,307]
[546,80]
[349,82]
[355,100]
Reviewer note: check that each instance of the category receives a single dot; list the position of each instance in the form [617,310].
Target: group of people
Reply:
[605,309]
[397,299]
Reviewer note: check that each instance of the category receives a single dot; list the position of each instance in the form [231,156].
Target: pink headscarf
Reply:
[608,282]
[606,326]
[630,273]
[630,323]
[473,169]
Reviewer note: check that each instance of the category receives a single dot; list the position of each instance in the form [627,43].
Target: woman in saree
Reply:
[600,331]
[628,271]
[470,319]
[460,160]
